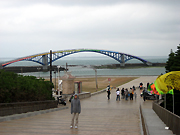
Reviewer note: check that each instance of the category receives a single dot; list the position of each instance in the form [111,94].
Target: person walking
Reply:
[147,85]
[135,95]
[122,93]
[131,94]
[126,94]
[134,88]
[108,87]
[141,86]
[118,94]
[144,94]
[108,94]
[75,110]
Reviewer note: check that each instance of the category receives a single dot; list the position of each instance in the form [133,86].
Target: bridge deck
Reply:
[99,116]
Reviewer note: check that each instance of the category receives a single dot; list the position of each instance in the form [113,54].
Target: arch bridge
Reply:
[44,58]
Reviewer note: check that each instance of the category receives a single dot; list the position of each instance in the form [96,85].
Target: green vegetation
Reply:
[18,88]
[173,64]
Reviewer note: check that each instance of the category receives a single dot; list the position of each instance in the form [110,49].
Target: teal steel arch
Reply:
[44,58]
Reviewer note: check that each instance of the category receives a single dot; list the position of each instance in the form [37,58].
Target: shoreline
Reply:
[93,76]
[27,69]
[101,76]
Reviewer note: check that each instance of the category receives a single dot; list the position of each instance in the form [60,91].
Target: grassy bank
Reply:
[89,84]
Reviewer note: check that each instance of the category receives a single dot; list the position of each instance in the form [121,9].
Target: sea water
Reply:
[84,66]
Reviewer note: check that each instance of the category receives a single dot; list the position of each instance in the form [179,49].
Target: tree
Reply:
[176,63]
[173,64]
[170,61]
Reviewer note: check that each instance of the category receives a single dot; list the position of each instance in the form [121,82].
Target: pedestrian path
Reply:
[99,117]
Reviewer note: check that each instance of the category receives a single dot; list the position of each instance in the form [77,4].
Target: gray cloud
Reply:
[35,26]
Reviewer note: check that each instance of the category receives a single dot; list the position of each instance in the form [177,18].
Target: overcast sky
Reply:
[137,27]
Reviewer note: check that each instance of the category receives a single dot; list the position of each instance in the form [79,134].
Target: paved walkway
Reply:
[99,117]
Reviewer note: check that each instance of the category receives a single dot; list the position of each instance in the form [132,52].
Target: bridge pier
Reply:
[45,61]
[148,63]
[122,64]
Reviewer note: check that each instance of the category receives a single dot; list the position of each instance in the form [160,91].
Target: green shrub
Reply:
[18,88]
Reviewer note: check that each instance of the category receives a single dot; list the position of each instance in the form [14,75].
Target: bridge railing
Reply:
[170,119]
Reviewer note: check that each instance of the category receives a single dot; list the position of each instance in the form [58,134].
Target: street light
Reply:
[21,71]
[38,71]
[96,78]
[58,79]
[55,79]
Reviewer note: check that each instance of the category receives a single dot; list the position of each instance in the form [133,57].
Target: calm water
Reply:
[89,60]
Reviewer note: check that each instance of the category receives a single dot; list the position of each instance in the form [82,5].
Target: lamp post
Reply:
[51,66]
[96,78]
[38,71]
[55,79]
[21,71]
[58,79]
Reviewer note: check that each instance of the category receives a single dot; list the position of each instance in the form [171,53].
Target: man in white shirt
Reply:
[118,94]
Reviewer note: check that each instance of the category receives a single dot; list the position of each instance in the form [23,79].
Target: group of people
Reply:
[125,93]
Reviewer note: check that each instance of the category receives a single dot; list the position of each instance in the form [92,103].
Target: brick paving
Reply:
[99,117]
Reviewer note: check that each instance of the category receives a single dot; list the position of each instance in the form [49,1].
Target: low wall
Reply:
[170,119]
[144,125]
[98,92]
[23,107]
[84,95]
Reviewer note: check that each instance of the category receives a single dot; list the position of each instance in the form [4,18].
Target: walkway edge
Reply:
[28,114]
[143,122]
[98,92]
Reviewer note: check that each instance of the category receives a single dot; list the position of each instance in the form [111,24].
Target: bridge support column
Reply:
[148,63]
[122,61]
[45,61]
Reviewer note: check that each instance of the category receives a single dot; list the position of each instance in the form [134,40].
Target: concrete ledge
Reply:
[24,107]
[23,115]
[98,92]
[84,95]
[143,122]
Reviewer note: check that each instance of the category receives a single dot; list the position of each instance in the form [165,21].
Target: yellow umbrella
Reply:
[168,81]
